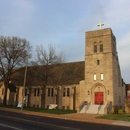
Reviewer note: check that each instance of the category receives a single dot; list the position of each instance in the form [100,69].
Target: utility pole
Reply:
[24,83]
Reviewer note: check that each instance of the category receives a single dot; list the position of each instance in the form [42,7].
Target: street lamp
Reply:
[25,75]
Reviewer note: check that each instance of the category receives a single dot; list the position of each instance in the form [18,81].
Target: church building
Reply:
[99,86]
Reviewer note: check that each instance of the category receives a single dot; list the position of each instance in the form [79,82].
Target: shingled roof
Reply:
[62,74]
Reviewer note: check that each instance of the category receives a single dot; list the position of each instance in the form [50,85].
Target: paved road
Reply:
[19,121]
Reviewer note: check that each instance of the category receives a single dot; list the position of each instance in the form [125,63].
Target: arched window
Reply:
[94,47]
[101,47]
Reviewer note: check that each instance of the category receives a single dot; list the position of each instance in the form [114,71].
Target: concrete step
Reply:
[83,109]
[101,111]
[96,109]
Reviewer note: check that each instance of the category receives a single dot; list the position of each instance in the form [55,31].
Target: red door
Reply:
[98,97]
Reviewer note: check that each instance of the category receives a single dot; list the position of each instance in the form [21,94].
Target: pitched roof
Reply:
[61,74]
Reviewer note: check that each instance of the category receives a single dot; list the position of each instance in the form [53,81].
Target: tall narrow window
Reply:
[35,91]
[63,92]
[52,91]
[48,92]
[68,92]
[102,77]
[38,91]
[98,62]
[95,48]
[101,47]
[94,77]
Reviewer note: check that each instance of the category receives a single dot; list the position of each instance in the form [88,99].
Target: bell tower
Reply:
[102,72]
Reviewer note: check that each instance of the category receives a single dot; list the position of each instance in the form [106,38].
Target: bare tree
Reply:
[46,59]
[13,51]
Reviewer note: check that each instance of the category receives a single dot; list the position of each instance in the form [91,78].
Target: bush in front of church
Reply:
[116,108]
[112,112]
[120,111]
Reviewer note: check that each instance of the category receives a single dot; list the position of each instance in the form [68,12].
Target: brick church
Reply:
[93,86]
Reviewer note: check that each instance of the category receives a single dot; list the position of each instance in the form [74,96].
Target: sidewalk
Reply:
[75,116]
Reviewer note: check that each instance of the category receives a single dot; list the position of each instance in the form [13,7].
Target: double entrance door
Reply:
[99,97]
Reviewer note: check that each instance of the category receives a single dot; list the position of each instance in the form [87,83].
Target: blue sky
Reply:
[64,23]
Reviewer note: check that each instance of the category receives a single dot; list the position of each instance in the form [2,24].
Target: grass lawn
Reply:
[51,111]
[121,117]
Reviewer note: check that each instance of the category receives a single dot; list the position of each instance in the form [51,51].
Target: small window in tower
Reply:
[95,48]
[102,77]
[98,62]
[101,47]
[94,77]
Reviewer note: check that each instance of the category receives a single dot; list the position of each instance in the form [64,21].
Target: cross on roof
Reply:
[100,25]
